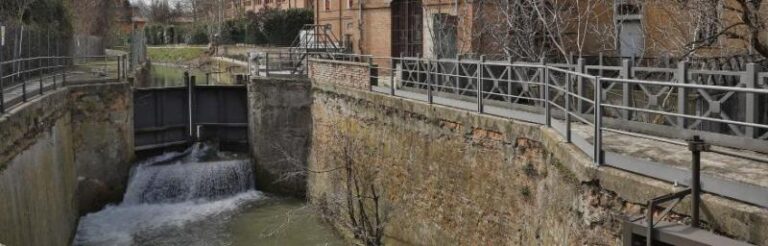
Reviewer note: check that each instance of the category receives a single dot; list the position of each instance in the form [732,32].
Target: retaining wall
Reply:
[279,130]
[59,154]
[436,175]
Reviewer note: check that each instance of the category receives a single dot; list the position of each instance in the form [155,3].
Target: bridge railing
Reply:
[582,106]
[25,78]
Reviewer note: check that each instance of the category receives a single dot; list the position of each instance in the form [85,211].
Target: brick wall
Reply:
[347,74]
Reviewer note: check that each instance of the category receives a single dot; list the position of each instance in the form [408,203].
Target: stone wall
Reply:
[102,131]
[342,73]
[37,174]
[279,120]
[54,149]
[437,175]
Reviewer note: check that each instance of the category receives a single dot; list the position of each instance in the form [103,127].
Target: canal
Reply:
[202,196]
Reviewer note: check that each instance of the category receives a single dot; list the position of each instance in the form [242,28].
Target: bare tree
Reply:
[535,29]
[358,200]
[735,20]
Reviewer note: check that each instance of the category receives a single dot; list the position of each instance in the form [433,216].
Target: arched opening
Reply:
[407,27]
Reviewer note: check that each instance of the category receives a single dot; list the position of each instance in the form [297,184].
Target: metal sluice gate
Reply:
[178,116]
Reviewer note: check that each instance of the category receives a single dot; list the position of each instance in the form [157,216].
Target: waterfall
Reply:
[169,191]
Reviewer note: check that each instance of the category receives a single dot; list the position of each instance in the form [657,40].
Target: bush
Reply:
[197,35]
[280,27]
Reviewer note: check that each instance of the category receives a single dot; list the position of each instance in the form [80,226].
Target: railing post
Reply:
[580,88]
[392,72]
[119,69]
[547,103]
[2,81]
[542,72]
[371,76]
[598,122]
[682,78]
[23,89]
[41,78]
[266,64]
[480,107]
[626,73]
[600,64]
[568,105]
[457,76]
[428,64]
[750,80]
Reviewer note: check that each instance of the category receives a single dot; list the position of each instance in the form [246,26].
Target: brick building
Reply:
[630,28]
[235,8]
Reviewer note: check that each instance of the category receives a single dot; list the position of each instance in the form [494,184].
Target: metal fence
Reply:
[678,104]
[31,77]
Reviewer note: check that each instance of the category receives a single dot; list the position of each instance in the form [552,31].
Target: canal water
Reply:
[201,197]
[214,73]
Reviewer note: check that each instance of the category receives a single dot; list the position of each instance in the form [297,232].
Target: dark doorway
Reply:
[407,28]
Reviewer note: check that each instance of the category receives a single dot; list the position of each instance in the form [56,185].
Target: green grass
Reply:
[181,54]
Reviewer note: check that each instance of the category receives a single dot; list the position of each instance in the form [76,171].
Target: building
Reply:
[392,28]
[235,8]
[619,28]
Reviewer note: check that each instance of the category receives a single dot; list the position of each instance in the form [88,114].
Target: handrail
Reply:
[49,73]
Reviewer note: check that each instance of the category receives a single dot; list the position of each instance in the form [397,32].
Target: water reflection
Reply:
[171,75]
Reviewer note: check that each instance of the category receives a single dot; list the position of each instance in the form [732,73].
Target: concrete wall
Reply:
[46,145]
[102,134]
[279,121]
[447,176]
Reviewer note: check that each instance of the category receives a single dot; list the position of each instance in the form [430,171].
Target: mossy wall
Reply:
[53,150]
[445,177]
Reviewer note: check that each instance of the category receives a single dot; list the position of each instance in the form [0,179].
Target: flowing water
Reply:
[201,197]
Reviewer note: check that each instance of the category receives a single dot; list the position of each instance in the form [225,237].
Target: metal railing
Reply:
[582,107]
[25,78]
[294,63]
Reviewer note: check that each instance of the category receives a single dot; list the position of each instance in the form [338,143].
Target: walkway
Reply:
[744,179]
[14,95]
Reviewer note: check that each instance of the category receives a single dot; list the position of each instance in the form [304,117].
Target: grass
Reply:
[174,54]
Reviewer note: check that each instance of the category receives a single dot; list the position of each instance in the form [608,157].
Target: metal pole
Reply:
[547,106]
[598,122]
[430,96]
[2,83]
[266,65]
[480,84]
[119,72]
[696,145]
[188,83]
[371,75]
[392,73]
[626,93]
[568,108]
[682,96]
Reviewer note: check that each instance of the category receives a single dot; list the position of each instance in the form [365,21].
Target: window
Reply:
[350,3]
[327,4]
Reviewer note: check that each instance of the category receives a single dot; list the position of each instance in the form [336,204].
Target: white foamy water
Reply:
[173,195]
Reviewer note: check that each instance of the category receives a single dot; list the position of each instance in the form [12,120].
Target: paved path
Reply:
[14,95]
